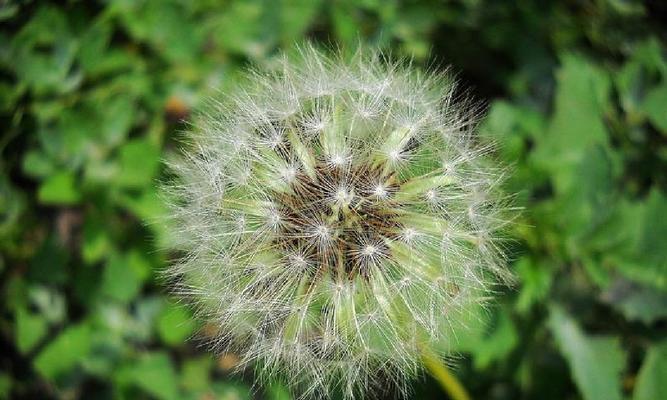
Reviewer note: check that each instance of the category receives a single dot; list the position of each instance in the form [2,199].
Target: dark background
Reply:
[93,93]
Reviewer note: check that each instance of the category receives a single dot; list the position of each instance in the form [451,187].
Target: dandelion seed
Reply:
[409,235]
[380,191]
[288,174]
[337,160]
[343,196]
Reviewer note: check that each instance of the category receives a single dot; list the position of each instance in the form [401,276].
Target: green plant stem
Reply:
[445,378]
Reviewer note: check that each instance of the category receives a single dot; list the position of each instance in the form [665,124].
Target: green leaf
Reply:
[645,259]
[59,189]
[147,205]
[135,323]
[49,262]
[30,329]
[655,230]
[196,374]
[651,383]
[535,278]
[96,241]
[650,54]
[176,324]
[139,160]
[581,98]
[596,362]
[510,126]
[5,385]
[8,11]
[596,271]
[295,18]
[153,373]
[9,93]
[655,106]
[278,391]
[116,118]
[65,352]
[585,196]
[165,25]
[496,345]
[637,302]
[620,233]
[12,206]
[629,82]
[140,263]
[231,391]
[345,27]
[49,303]
[248,27]
[121,281]
[67,141]
[37,164]
[487,337]
[43,53]
[94,45]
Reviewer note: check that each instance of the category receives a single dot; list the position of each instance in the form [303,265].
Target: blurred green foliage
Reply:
[93,92]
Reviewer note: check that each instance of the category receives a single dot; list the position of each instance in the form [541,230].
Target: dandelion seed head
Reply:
[335,217]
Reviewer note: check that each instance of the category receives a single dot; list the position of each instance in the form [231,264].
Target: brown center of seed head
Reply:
[339,220]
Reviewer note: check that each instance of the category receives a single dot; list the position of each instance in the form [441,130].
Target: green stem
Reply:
[445,378]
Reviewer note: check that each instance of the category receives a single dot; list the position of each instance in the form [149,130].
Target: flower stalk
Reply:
[448,381]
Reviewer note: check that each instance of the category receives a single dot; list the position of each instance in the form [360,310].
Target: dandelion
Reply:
[337,221]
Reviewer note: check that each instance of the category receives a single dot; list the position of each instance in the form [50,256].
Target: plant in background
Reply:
[338,221]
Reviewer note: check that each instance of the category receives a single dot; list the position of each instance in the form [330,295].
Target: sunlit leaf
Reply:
[96,241]
[581,99]
[37,164]
[496,345]
[595,362]
[120,281]
[30,329]
[175,324]
[195,375]
[535,280]
[655,106]
[65,352]
[139,160]
[153,373]
[60,189]
[646,259]
[651,383]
